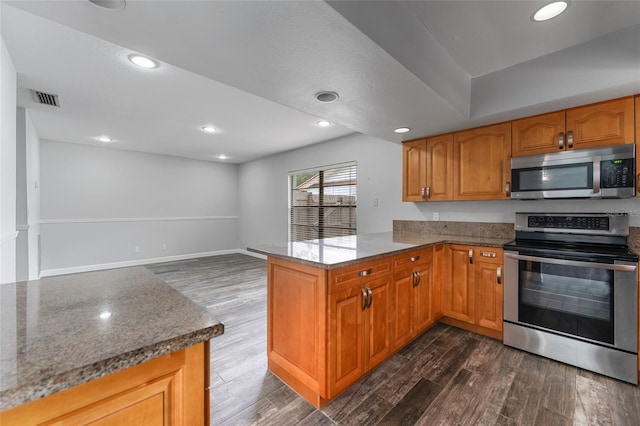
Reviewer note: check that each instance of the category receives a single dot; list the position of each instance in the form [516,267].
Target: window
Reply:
[322,202]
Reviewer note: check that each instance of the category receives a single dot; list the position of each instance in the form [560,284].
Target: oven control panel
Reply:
[569,222]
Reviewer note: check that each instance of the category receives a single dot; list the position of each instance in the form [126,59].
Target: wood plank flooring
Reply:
[447,376]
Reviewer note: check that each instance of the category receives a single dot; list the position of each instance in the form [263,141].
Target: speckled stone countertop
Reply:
[331,253]
[62,331]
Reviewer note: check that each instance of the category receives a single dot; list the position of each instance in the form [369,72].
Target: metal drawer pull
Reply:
[365,299]
[415,258]
[487,254]
[561,140]
[499,275]
[471,256]
[365,272]
[370,294]
[608,266]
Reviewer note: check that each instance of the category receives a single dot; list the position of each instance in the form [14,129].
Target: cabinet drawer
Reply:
[349,276]
[413,258]
[487,254]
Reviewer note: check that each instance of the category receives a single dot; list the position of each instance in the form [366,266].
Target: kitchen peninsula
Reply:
[114,346]
[338,307]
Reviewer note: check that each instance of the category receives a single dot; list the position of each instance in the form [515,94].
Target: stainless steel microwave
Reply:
[586,173]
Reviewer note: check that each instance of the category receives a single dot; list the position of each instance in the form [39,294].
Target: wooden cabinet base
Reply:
[170,390]
[472,327]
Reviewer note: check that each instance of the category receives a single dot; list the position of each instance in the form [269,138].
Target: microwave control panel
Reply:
[616,173]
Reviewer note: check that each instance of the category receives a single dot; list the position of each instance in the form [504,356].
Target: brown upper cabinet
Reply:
[469,165]
[482,163]
[590,126]
[414,170]
[637,142]
[427,169]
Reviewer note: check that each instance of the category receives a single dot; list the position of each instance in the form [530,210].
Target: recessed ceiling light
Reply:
[105,315]
[327,97]
[209,129]
[143,61]
[222,157]
[110,4]
[402,130]
[105,139]
[550,11]
[323,123]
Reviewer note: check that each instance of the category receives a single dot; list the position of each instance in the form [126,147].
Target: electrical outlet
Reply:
[137,249]
[436,216]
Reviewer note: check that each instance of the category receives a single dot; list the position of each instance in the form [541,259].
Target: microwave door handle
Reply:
[596,175]
[608,266]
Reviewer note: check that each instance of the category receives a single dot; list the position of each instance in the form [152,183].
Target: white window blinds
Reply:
[322,203]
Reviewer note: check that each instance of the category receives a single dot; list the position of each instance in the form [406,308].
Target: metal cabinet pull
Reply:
[365,298]
[413,279]
[423,193]
[419,278]
[415,258]
[487,254]
[507,189]
[428,193]
[570,139]
[365,272]
[370,294]
[499,275]
[471,256]
[561,141]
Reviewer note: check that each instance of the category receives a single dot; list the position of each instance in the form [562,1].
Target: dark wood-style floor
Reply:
[447,376]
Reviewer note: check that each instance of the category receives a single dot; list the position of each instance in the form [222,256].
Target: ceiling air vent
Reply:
[46,98]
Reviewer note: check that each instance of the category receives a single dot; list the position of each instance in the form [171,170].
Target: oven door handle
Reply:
[611,267]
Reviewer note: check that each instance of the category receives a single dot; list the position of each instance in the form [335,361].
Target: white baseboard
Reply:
[138,262]
[251,253]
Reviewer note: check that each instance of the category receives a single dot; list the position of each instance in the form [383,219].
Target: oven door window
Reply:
[569,299]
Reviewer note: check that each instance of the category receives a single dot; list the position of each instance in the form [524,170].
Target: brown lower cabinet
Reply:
[170,390]
[327,328]
[472,297]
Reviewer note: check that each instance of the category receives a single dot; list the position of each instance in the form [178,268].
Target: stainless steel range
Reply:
[571,291]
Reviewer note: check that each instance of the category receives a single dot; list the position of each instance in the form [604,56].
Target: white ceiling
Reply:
[252,68]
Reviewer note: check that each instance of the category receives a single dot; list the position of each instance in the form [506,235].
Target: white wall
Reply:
[33,196]
[7,166]
[98,204]
[264,189]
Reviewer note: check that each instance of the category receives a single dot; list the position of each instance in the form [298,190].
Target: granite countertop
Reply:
[62,331]
[331,253]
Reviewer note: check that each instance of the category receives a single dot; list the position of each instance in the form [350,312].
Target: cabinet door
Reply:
[422,309]
[378,323]
[402,308]
[488,284]
[482,163]
[538,135]
[440,168]
[438,277]
[602,124]
[346,339]
[459,294]
[414,170]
